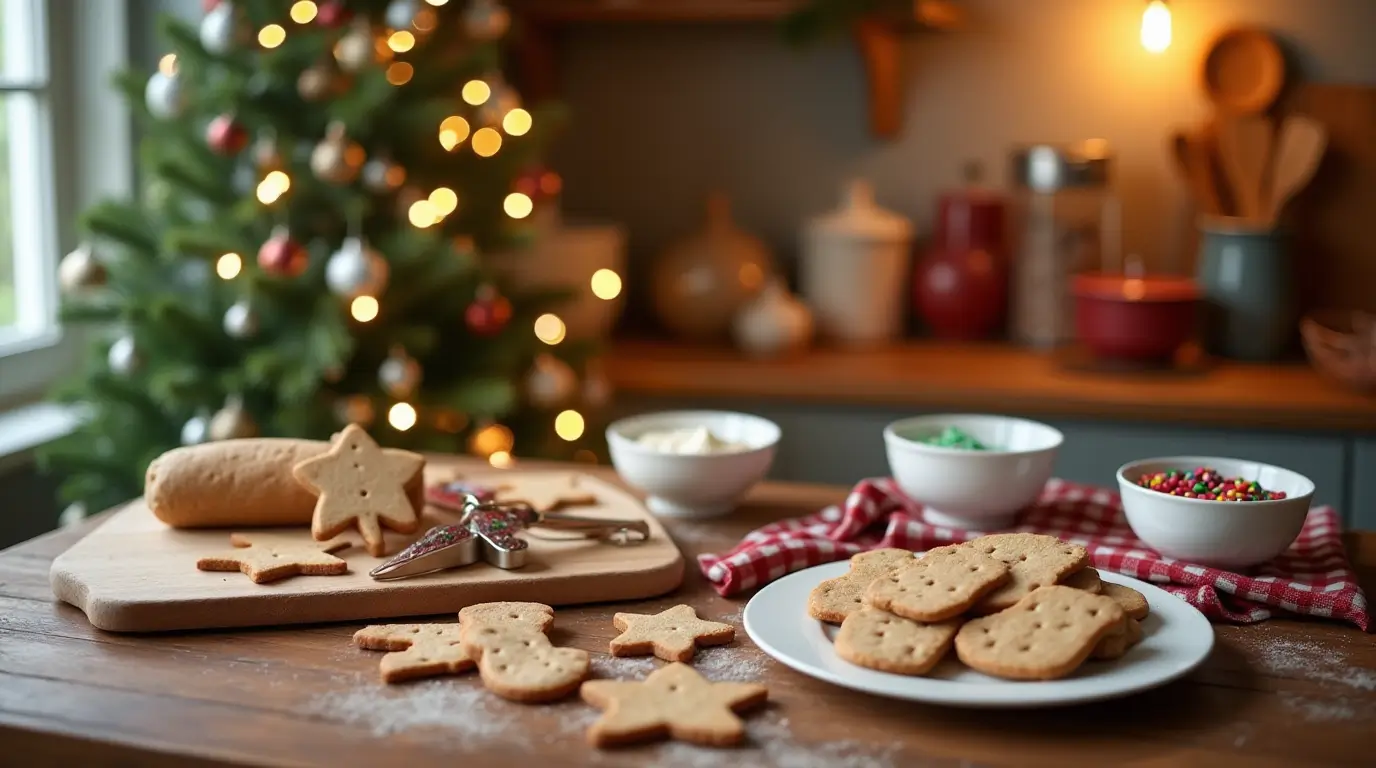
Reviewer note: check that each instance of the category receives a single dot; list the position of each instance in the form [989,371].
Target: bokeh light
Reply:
[606,284]
[549,329]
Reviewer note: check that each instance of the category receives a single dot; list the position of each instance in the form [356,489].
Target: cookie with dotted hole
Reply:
[519,663]
[835,599]
[878,640]
[1132,601]
[417,650]
[1045,636]
[1117,642]
[537,616]
[944,583]
[1034,560]
[1086,579]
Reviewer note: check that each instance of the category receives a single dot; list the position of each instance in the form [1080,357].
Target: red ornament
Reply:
[282,256]
[489,313]
[210,5]
[961,287]
[332,13]
[226,135]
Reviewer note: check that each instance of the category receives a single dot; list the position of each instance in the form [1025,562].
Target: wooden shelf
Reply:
[877,39]
[933,376]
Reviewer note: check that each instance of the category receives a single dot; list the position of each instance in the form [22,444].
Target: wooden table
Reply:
[1275,693]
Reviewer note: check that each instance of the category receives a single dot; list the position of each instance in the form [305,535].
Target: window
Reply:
[64,142]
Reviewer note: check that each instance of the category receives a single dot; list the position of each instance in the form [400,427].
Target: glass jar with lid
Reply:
[1064,208]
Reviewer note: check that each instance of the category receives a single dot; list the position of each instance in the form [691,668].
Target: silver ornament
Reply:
[80,270]
[399,374]
[400,13]
[196,430]
[382,175]
[232,422]
[551,382]
[240,320]
[218,28]
[354,51]
[163,95]
[355,270]
[123,357]
[486,20]
[315,82]
[336,159]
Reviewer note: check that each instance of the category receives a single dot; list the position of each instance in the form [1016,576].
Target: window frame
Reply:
[86,42]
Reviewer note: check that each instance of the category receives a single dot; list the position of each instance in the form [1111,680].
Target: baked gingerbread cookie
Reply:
[1034,560]
[672,635]
[878,640]
[943,583]
[1086,579]
[1132,601]
[1045,636]
[548,491]
[359,484]
[675,702]
[265,559]
[835,599]
[416,650]
[1119,641]
[519,663]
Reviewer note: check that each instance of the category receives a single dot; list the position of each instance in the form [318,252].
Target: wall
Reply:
[661,114]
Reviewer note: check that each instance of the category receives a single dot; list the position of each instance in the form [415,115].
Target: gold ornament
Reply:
[80,270]
[232,422]
[355,50]
[336,159]
[316,81]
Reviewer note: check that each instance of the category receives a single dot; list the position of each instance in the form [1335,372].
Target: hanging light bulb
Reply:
[1156,26]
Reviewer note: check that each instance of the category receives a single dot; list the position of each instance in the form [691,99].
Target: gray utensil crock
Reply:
[1245,277]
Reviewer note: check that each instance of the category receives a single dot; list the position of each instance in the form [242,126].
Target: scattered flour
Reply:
[770,744]
[1313,661]
[621,667]
[734,662]
[735,618]
[1320,711]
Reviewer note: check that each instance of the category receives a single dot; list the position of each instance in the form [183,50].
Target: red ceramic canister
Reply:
[960,289]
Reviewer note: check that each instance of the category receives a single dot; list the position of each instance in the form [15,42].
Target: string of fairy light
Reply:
[495,441]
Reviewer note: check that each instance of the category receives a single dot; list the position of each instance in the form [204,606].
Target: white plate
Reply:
[1177,639]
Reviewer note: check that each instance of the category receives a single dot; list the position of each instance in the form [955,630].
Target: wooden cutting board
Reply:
[1335,253]
[135,574]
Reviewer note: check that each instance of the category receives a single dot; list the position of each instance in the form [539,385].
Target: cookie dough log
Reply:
[244,483]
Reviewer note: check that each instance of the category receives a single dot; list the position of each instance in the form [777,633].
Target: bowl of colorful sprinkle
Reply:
[1229,513]
[971,471]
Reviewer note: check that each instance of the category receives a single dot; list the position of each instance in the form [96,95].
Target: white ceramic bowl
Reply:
[980,490]
[680,485]
[1223,534]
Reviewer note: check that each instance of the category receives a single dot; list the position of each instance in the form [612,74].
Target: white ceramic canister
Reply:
[576,257]
[775,323]
[854,269]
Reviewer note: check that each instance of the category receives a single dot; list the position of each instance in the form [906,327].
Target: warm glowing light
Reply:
[500,459]
[453,130]
[751,275]
[1156,26]
[363,308]
[424,20]
[493,438]
[550,183]
[437,2]
[549,329]
[401,416]
[486,142]
[381,51]
[272,36]
[422,214]
[303,12]
[518,205]
[168,64]
[444,200]
[569,425]
[228,266]
[399,73]
[517,122]
[606,284]
[475,92]
[272,187]
[402,41]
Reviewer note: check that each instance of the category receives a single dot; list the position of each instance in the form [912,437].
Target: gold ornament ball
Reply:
[232,422]
[80,270]
[336,159]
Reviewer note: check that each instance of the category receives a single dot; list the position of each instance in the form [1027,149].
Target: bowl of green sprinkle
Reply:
[971,471]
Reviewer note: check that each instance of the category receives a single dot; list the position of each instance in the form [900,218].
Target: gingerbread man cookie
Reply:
[519,663]
[417,650]
[265,560]
[674,701]
[672,635]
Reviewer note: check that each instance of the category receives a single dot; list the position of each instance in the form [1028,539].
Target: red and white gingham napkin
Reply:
[1311,578]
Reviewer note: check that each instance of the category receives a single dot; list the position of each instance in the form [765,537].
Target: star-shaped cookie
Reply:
[674,701]
[360,484]
[548,491]
[417,650]
[270,560]
[672,635]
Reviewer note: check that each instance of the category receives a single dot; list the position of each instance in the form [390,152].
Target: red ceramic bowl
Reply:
[1134,318]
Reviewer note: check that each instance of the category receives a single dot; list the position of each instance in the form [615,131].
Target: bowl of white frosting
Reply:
[692,463]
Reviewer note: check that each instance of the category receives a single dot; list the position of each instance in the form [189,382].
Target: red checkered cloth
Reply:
[1311,578]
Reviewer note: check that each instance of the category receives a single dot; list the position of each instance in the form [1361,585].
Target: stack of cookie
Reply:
[1020,606]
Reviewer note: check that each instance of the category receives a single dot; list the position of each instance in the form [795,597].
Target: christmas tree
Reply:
[328,190]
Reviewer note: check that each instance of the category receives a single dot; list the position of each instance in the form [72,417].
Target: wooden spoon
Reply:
[1298,152]
[1244,144]
[1192,156]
